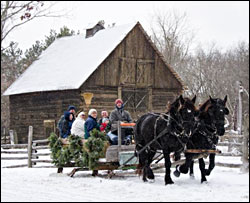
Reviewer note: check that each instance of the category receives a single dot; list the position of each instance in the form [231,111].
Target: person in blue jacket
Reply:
[91,123]
[67,124]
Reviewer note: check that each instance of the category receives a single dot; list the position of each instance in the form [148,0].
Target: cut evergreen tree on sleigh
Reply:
[77,153]
[93,154]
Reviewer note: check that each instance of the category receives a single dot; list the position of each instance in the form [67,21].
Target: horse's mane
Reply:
[168,107]
[205,106]
[176,104]
[172,105]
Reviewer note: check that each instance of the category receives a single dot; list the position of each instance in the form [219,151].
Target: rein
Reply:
[177,133]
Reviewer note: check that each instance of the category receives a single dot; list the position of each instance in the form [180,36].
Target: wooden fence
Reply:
[31,152]
[32,155]
[5,137]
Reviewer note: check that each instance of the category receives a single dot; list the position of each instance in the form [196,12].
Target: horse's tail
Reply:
[139,170]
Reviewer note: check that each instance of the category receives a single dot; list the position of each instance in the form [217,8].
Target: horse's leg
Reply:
[184,167]
[177,156]
[143,162]
[168,179]
[202,169]
[150,174]
[191,172]
[211,164]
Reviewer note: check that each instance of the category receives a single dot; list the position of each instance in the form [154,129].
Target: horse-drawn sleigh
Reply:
[183,129]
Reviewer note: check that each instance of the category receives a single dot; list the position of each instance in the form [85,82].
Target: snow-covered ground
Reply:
[44,184]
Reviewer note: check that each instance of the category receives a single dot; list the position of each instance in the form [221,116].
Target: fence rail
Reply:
[32,152]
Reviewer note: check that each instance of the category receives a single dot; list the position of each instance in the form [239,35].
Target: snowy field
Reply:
[44,184]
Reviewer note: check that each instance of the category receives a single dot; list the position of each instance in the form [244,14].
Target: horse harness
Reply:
[176,133]
[203,129]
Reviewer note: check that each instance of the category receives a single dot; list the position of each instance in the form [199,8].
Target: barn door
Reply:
[128,71]
[136,79]
[144,73]
[136,72]
[135,101]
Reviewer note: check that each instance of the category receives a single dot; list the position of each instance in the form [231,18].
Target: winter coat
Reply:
[89,125]
[78,127]
[104,126]
[67,124]
[60,123]
[119,115]
[101,120]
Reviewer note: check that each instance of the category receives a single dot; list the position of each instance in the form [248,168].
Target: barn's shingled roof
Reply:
[69,61]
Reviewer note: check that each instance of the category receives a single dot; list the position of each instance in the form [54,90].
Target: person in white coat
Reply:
[78,125]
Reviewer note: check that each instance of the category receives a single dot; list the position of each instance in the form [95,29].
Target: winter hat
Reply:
[80,114]
[71,107]
[66,115]
[91,111]
[118,101]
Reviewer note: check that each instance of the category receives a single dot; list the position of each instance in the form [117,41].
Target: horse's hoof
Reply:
[169,183]
[192,176]
[204,182]
[151,180]
[94,173]
[207,172]
[177,173]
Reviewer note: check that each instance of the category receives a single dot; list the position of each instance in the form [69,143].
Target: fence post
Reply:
[15,137]
[239,112]
[245,154]
[12,140]
[30,139]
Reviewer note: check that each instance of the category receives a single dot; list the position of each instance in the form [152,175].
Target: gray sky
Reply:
[222,22]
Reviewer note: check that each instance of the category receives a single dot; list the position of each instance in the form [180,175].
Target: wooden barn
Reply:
[116,62]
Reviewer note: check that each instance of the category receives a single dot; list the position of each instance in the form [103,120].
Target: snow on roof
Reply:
[69,61]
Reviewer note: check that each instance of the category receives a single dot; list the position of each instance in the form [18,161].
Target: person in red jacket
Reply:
[104,122]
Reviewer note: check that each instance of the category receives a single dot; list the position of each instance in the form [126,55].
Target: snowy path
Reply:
[43,184]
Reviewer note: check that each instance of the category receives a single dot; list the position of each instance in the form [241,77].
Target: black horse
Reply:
[209,125]
[171,130]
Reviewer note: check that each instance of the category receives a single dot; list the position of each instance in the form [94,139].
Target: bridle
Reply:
[209,131]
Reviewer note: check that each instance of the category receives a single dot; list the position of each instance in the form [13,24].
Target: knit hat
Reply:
[80,114]
[118,101]
[71,107]
[91,111]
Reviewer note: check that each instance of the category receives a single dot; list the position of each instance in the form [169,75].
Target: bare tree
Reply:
[212,72]
[206,72]
[16,13]
[173,36]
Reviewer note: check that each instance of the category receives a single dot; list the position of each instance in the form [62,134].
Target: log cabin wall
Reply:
[35,108]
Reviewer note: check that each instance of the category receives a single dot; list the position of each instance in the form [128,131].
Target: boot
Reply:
[95,173]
